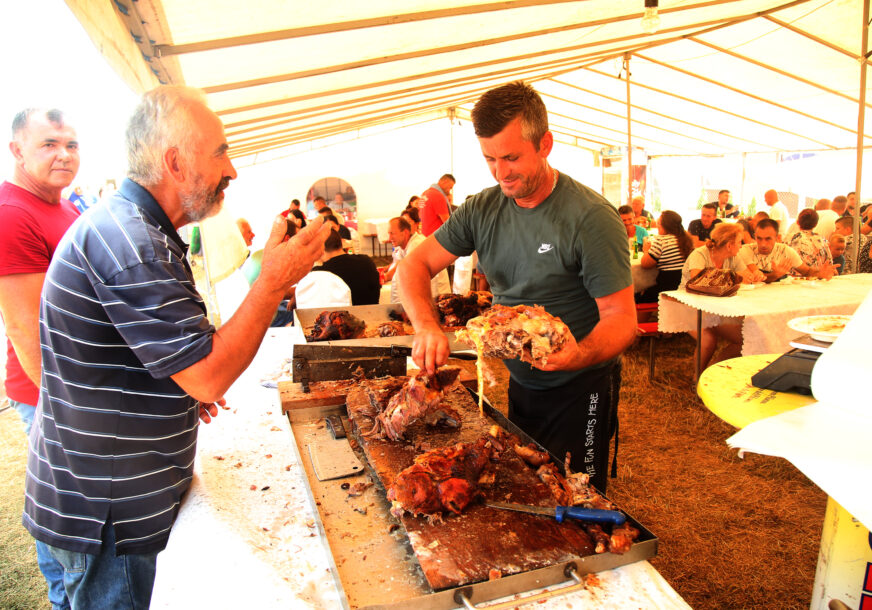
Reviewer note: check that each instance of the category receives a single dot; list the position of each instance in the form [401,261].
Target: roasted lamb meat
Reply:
[574,489]
[419,398]
[457,310]
[523,331]
[391,329]
[442,480]
[333,325]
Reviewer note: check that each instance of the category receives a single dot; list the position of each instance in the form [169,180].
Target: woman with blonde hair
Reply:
[720,251]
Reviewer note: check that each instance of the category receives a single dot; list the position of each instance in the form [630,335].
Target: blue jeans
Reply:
[105,581]
[50,568]
[26,412]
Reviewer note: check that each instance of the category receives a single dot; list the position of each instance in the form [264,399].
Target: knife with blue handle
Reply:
[590,515]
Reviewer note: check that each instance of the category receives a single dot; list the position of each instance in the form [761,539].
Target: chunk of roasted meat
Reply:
[391,329]
[442,480]
[419,398]
[333,325]
[523,331]
[457,310]
[574,489]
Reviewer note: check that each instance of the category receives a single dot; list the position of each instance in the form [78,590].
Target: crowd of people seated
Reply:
[758,248]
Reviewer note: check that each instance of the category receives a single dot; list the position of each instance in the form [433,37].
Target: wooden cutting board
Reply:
[483,542]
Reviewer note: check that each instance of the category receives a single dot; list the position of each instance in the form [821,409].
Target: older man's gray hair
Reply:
[161,121]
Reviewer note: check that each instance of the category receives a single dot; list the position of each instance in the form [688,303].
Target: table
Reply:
[246,536]
[793,420]
[642,278]
[376,229]
[725,388]
[765,309]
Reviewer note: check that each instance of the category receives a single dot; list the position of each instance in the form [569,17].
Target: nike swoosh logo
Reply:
[545,248]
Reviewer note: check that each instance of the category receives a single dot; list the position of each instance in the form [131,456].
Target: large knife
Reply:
[591,515]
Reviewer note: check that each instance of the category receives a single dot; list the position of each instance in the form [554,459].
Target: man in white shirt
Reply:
[826,218]
[400,234]
[777,211]
[775,259]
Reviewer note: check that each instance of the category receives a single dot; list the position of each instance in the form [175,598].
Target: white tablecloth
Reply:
[766,309]
[246,536]
[642,278]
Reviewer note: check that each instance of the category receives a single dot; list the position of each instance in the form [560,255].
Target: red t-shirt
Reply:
[433,204]
[30,229]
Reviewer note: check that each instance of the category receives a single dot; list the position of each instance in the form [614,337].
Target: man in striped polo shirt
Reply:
[130,361]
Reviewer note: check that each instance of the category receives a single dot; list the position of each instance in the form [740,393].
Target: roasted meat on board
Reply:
[575,490]
[523,331]
[442,480]
[334,325]
[457,310]
[419,398]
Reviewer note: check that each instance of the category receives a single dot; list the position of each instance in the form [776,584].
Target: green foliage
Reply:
[752,207]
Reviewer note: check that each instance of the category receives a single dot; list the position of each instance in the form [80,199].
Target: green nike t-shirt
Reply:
[564,253]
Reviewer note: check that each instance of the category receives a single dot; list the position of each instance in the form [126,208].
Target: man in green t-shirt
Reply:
[542,238]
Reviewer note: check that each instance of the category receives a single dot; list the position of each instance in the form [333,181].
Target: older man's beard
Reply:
[200,202]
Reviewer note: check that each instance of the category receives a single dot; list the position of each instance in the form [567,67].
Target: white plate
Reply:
[822,328]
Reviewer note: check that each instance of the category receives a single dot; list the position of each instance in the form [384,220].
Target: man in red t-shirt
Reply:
[433,205]
[33,218]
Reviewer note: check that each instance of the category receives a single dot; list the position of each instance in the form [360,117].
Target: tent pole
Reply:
[629,134]
[861,117]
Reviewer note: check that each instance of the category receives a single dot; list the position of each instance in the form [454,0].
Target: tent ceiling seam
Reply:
[347,26]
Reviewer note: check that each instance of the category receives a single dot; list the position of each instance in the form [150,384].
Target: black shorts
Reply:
[580,417]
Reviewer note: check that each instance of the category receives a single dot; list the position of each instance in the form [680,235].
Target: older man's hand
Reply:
[285,262]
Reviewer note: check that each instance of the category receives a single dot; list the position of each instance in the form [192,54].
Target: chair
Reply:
[649,330]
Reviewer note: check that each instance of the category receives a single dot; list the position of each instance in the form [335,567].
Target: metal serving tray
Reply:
[371,559]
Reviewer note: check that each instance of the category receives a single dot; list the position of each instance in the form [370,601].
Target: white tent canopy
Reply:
[717,77]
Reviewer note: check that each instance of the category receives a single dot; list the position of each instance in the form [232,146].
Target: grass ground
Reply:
[734,533]
[21,584]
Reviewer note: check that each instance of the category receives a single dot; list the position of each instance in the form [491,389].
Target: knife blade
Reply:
[559,513]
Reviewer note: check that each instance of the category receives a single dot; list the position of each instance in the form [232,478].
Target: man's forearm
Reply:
[414,280]
[609,338]
[233,346]
[25,342]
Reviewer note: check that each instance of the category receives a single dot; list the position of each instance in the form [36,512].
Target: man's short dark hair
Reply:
[402,223]
[710,206]
[722,191]
[767,222]
[317,199]
[807,219]
[296,202]
[447,177]
[846,221]
[499,107]
[328,216]
[19,121]
[413,214]
[626,209]
[333,242]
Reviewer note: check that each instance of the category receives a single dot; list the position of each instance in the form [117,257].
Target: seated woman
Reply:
[667,251]
[811,247]
[720,251]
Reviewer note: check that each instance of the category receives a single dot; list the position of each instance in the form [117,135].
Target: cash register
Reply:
[791,372]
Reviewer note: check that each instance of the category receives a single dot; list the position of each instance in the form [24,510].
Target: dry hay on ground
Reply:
[734,533]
